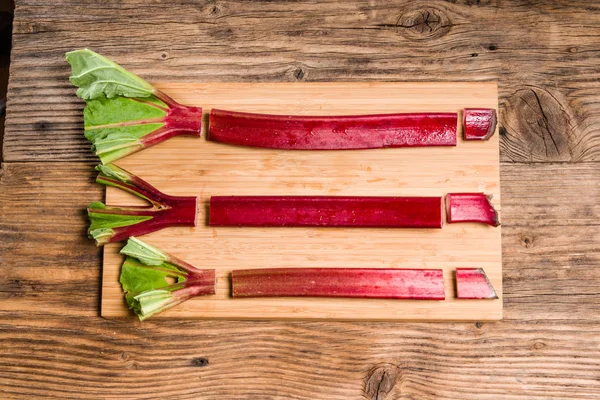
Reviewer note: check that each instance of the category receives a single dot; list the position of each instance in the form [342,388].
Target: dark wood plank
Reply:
[544,55]
[52,342]
[77,357]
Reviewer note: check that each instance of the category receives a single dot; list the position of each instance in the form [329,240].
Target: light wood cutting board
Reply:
[193,166]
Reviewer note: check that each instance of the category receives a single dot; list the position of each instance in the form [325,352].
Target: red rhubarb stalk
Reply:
[113,224]
[473,283]
[332,132]
[479,123]
[368,283]
[378,212]
[470,207]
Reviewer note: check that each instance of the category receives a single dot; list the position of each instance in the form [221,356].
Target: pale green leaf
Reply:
[100,234]
[97,205]
[147,289]
[102,111]
[147,254]
[109,221]
[112,171]
[137,278]
[97,76]
[116,126]
[149,303]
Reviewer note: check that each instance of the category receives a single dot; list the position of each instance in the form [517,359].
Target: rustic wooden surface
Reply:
[195,166]
[545,55]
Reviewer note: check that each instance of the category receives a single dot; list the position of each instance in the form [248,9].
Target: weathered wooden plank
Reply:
[544,55]
[91,357]
[53,343]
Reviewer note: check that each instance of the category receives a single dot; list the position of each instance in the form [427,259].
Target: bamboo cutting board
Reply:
[194,166]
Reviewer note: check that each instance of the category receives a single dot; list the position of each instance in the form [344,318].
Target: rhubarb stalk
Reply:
[471,207]
[332,132]
[368,283]
[479,123]
[326,211]
[113,224]
[473,283]
[154,280]
[124,113]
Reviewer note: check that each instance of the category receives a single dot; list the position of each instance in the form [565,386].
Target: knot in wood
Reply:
[200,362]
[214,9]
[424,24]
[540,126]
[380,381]
[527,241]
[299,74]
[472,3]
[538,345]
[42,125]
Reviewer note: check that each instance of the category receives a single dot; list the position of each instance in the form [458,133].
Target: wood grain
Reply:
[52,342]
[543,47]
[193,166]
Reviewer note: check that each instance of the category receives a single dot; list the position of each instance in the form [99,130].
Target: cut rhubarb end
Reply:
[479,123]
[332,132]
[180,121]
[470,207]
[183,210]
[373,283]
[185,119]
[473,283]
[326,211]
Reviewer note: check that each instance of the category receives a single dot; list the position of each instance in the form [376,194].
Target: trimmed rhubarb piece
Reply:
[471,207]
[332,132]
[326,211]
[154,281]
[367,283]
[479,123]
[124,113]
[473,283]
[113,224]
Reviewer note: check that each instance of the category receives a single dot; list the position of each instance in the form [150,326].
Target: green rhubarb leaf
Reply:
[137,277]
[112,171]
[120,175]
[97,205]
[116,126]
[100,235]
[102,111]
[144,252]
[109,221]
[142,283]
[109,154]
[97,76]
[149,303]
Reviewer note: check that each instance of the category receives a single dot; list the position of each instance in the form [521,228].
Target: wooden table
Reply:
[545,56]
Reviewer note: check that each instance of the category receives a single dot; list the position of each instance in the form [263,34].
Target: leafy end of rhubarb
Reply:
[113,224]
[97,76]
[124,113]
[154,281]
